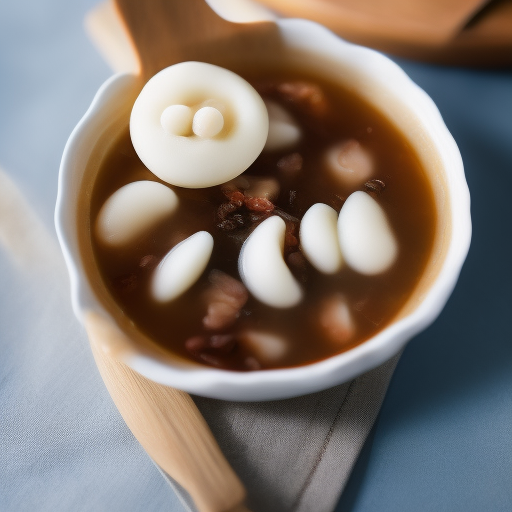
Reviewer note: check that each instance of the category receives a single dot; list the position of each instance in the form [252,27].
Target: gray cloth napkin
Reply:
[292,455]
[296,455]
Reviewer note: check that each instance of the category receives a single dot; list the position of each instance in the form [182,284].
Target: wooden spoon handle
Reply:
[164,32]
[169,426]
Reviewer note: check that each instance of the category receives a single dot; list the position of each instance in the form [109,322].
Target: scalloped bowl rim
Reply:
[288,382]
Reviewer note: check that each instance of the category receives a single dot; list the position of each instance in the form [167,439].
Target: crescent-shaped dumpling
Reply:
[181,267]
[283,131]
[198,125]
[263,269]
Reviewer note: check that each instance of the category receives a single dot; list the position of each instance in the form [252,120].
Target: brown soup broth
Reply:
[374,300]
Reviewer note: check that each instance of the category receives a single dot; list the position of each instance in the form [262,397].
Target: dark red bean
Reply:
[223,342]
[196,344]
[290,164]
[259,204]
[148,262]
[251,363]
[375,186]
[237,198]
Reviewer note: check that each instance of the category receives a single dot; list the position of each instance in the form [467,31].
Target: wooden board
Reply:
[471,33]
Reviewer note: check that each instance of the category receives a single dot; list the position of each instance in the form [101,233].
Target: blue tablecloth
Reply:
[443,440]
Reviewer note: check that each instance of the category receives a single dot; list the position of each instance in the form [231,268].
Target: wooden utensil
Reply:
[464,32]
[408,21]
[164,420]
[169,426]
[164,32]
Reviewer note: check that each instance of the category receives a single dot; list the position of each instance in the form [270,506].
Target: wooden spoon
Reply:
[427,22]
[164,420]
[460,32]
[168,425]
[164,32]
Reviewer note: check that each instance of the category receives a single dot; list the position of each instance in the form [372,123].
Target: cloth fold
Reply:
[296,455]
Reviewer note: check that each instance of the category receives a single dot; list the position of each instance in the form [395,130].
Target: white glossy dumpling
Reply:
[255,186]
[350,162]
[263,269]
[335,319]
[197,125]
[366,238]
[133,209]
[181,267]
[283,131]
[268,347]
[319,238]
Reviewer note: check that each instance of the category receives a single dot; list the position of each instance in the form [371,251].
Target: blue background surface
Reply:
[443,440]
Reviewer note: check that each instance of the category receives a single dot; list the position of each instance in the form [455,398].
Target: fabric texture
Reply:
[296,455]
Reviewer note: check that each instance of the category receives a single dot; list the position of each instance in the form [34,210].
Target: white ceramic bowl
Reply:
[376,79]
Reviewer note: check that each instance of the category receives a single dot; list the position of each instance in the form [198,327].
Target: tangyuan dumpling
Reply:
[366,237]
[283,131]
[132,210]
[181,267]
[198,125]
[319,238]
[263,269]
[350,163]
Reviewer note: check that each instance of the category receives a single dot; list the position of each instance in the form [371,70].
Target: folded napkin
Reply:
[297,455]
[292,455]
